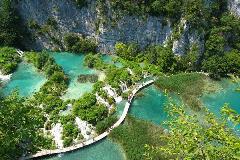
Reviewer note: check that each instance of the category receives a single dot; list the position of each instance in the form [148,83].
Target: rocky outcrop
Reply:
[187,39]
[68,17]
[86,21]
[135,29]
[234,7]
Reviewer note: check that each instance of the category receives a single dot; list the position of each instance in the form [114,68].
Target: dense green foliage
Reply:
[102,126]
[220,65]
[88,110]
[218,60]
[197,12]
[9,59]
[20,121]
[125,51]
[192,138]
[134,134]
[70,130]
[158,58]
[79,44]
[115,76]
[10,26]
[80,3]
[189,86]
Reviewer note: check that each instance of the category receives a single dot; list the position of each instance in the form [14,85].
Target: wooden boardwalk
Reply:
[99,137]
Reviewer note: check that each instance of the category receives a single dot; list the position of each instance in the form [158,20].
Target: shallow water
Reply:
[227,94]
[72,65]
[103,150]
[26,79]
[109,59]
[151,106]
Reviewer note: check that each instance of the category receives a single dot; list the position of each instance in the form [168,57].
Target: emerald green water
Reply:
[227,94]
[150,107]
[103,150]
[26,79]
[72,65]
[109,59]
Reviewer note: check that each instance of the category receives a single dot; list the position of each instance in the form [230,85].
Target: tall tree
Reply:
[18,127]
[10,34]
[191,137]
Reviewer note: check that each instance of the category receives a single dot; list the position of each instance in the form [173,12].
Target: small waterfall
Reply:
[111,92]
[21,53]
[57,134]
[123,86]
[86,129]
[101,100]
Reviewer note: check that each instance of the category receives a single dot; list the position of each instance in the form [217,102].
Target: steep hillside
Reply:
[103,21]
[105,28]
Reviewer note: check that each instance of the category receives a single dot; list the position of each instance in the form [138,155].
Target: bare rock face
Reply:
[86,21]
[234,7]
[135,29]
[187,39]
[69,19]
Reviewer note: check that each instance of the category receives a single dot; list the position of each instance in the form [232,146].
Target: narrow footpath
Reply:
[99,137]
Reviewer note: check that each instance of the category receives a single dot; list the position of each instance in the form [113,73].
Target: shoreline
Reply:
[99,137]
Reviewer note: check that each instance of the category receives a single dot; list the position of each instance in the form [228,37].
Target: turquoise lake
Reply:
[151,106]
[26,79]
[72,65]
[103,150]
[227,94]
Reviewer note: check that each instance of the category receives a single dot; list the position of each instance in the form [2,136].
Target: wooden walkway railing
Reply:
[99,137]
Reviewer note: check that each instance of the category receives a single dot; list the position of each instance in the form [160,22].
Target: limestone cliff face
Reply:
[70,18]
[88,22]
[67,15]
[234,7]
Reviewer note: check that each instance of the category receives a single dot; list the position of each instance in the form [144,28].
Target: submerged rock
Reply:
[84,78]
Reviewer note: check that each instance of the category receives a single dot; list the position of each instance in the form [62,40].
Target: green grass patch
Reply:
[133,136]
[190,86]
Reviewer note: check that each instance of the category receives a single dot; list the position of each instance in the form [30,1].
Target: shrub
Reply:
[80,3]
[67,141]
[102,126]
[8,60]
[79,44]
[11,30]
